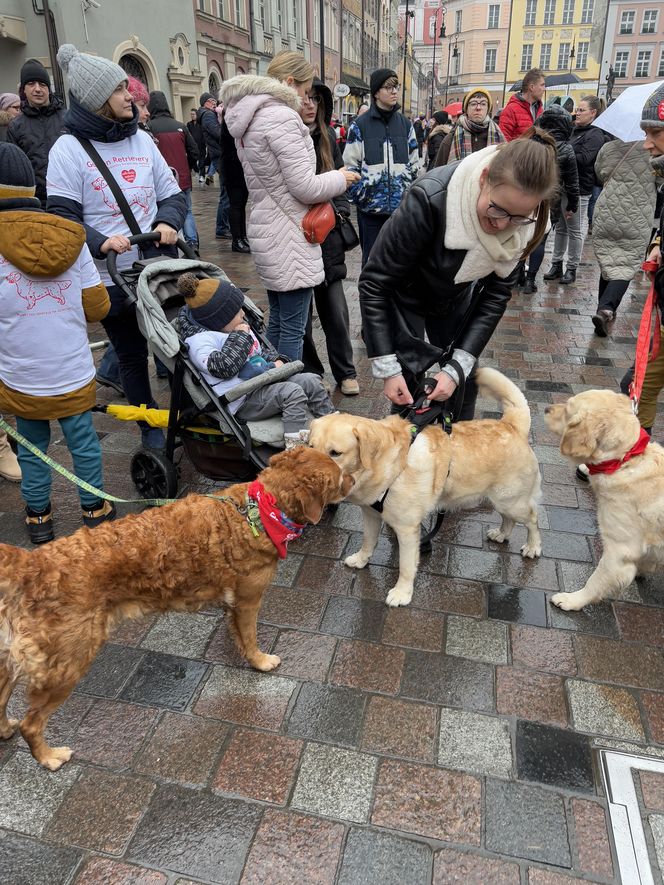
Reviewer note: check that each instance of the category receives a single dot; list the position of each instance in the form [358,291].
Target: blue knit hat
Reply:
[212,303]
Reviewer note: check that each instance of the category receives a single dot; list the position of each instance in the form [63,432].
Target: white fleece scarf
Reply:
[486,253]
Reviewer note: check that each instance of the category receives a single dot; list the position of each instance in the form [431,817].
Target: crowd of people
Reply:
[452,215]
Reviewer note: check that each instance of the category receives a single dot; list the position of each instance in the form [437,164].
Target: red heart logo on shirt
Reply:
[129,175]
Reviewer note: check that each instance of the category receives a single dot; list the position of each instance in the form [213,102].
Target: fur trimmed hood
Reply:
[245,94]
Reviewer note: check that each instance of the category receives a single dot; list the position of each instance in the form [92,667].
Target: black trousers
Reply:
[237,214]
[369,226]
[611,293]
[332,311]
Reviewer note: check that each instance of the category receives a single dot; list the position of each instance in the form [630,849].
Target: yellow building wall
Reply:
[555,34]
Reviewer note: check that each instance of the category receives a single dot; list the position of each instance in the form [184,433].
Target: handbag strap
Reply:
[111,181]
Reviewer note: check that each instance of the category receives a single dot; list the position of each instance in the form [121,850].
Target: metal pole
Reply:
[433,68]
[571,62]
[321,15]
[362,47]
[449,59]
[405,54]
[507,53]
[601,56]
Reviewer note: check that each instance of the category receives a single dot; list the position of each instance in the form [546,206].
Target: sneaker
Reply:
[9,466]
[350,387]
[40,525]
[209,180]
[601,322]
[224,235]
[95,517]
[108,382]
[582,473]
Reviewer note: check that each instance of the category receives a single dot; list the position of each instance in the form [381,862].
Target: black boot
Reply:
[555,271]
[569,276]
[240,246]
[529,286]
[40,525]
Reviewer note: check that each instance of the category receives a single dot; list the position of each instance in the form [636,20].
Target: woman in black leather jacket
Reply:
[316,112]
[443,263]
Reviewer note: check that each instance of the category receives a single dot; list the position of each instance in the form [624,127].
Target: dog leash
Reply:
[644,352]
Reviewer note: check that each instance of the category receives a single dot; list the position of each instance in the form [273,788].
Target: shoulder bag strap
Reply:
[111,181]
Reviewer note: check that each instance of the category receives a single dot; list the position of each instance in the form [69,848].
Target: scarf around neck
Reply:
[462,137]
[83,123]
[278,527]
[485,253]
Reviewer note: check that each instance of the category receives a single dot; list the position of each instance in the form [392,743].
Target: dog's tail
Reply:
[515,406]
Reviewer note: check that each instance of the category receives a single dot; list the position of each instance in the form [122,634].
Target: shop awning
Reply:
[357,85]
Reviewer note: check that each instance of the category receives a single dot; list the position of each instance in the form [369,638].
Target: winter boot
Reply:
[601,322]
[569,276]
[555,271]
[104,512]
[9,466]
[40,525]
[530,286]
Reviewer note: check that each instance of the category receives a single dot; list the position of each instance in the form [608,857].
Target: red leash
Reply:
[644,353]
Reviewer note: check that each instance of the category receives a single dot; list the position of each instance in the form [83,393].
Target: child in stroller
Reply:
[225,350]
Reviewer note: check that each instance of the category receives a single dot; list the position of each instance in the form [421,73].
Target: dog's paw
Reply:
[56,757]
[399,595]
[496,535]
[8,729]
[265,663]
[356,560]
[567,601]
[531,551]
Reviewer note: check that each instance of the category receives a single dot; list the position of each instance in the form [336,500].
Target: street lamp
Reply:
[571,62]
[453,53]
[405,56]
[437,35]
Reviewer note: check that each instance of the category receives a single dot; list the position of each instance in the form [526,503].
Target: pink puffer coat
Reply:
[279,162]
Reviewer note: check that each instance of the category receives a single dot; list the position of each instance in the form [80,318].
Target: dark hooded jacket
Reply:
[558,122]
[175,143]
[334,257]
[211,132]
[587,142]
[35,131]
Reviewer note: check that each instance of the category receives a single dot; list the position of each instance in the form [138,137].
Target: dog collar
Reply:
[638,448]
[279,528]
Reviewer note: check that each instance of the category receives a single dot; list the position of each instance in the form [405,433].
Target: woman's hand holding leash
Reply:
[396,390]
[444,388]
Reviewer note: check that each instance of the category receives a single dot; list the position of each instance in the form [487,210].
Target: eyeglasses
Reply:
[312,99]
[497,212]
[394,88]
[478,104]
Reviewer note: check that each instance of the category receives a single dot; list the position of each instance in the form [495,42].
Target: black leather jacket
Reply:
[410,268]
[587,142]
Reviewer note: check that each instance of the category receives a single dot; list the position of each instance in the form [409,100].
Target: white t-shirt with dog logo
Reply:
[138,168]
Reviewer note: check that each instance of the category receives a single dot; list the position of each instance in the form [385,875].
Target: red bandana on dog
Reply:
[278,527]
[638,448]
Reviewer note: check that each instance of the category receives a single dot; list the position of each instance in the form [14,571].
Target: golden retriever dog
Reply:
[598,426]
[59,602]
[481,460]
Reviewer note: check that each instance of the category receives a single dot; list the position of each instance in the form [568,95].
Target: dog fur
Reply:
[481,460]
[59,602]
[599,425]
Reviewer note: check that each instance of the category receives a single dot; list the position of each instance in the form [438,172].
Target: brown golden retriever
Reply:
[59,602]
[481,460]
[596,426]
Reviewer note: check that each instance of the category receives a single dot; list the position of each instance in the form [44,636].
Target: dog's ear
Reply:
[578,439]
[369,445]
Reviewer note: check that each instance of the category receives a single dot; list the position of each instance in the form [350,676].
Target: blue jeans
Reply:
[82,442]
[212,168]
[189,226]
[223,225]
[370,225]
[289,312]
[109,367]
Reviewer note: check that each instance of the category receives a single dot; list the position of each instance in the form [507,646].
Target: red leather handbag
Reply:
[318,222]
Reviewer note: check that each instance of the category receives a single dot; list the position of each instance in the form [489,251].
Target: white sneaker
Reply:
[582,473]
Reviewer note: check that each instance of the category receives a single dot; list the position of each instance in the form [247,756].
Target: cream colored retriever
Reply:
[598,426]
[481,460]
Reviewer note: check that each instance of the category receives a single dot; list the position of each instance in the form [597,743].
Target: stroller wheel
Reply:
[153,474]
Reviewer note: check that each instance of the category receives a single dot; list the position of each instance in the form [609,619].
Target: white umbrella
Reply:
[622,118]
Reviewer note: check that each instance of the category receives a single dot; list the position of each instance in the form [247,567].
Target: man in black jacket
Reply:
[207,117]
[196,132]
[39,125]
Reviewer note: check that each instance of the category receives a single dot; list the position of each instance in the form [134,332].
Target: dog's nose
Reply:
[547,409]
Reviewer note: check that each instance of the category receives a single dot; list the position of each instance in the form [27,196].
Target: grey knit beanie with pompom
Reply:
[92,80]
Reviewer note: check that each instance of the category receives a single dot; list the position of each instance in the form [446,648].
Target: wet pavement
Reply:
[452,741]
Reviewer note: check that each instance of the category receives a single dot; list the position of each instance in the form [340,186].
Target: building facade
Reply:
[556,36]
[159,49]
[224,40]
[634,44]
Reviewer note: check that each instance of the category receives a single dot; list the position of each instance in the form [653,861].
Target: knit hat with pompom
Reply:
[92,80]
[212,303]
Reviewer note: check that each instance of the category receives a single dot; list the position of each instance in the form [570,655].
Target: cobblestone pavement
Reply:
[448,742]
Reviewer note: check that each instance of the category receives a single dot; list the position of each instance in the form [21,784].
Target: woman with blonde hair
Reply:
[279,162]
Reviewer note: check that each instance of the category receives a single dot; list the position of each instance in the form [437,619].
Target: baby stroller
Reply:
[218,443]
